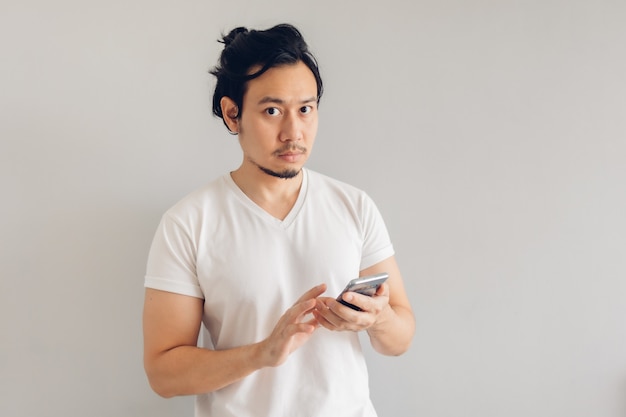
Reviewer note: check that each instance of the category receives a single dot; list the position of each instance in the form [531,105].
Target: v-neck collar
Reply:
[251,205]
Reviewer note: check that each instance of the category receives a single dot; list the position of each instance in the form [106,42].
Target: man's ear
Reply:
[230,114]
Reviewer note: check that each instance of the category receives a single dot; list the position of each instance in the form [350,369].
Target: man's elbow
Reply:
[160,389]
[159,383]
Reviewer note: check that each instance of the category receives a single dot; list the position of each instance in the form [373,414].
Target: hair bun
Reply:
[228,39]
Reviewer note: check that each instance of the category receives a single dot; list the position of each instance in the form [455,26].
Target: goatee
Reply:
[286,174]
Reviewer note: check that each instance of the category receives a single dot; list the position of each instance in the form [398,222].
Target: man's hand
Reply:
[387,316]
[335,316]
[176,366]
[292,330]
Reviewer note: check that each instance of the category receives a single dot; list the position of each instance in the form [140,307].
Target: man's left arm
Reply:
[387,316]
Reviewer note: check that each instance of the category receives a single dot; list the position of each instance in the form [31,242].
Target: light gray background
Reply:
[492,134]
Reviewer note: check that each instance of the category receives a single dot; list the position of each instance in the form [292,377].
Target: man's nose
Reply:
[291,129]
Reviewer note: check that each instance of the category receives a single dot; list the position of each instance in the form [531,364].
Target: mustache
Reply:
[290,148]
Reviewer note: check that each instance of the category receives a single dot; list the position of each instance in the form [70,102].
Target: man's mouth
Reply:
[291,151]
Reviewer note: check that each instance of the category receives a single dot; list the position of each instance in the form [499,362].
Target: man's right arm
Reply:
[176,366]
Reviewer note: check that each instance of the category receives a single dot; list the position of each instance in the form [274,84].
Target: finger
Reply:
[327,319]
[365,302]
[356,299]
[328,303]
[300,309]
[307,327]
[313,321]
[330,317]
[312,293]
[322,321]
[383,290]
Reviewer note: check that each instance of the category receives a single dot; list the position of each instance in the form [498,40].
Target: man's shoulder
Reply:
[322,182]
[201,198]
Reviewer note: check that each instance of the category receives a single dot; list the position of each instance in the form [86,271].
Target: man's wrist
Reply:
[258,355]
[381,320]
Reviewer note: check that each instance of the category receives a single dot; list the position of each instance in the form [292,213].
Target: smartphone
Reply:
[363,285]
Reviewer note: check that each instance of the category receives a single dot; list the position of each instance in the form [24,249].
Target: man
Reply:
[258,256]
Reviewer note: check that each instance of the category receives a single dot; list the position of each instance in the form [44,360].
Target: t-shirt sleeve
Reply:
[172,260]
[376,242]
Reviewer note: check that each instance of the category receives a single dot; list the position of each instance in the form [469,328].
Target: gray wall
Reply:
[492,134]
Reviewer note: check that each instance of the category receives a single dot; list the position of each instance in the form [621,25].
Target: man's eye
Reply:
[272,111]
[306,109]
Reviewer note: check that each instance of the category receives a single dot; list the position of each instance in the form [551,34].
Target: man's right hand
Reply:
[292,330]
[176,366]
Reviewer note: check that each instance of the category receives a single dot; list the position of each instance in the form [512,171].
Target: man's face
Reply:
[278,123]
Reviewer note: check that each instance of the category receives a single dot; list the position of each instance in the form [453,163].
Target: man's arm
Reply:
[393,330]
[387,316]
[176,366]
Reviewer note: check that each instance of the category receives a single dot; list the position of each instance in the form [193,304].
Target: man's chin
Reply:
[284,174]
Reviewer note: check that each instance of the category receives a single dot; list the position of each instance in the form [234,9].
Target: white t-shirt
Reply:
[250,267]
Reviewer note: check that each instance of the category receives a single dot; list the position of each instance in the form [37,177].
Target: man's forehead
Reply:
[294,82]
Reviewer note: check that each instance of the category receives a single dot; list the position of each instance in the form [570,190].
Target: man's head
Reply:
[248,54]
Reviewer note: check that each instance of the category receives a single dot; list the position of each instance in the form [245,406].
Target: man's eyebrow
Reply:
[275,100]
